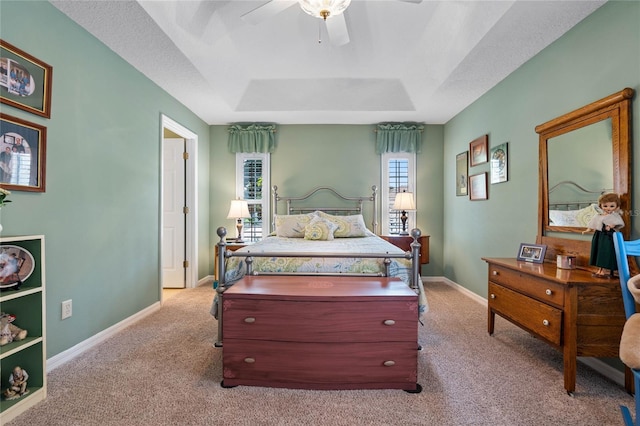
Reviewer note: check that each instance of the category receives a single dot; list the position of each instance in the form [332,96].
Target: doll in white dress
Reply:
[604,224]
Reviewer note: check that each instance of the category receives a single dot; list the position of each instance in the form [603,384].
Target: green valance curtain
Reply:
[399,137]
[252,138]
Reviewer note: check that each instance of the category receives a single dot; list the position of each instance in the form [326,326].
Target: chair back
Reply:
[623,249]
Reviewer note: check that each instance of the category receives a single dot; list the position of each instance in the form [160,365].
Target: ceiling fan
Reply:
[330,11]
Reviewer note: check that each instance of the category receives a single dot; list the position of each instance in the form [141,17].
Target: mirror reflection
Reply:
[580,169]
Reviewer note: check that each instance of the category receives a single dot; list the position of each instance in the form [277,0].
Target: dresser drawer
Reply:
[304,321]
[543,290]
[320,365]
[539,318]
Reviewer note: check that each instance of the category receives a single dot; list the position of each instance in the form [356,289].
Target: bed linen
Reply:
[314,263]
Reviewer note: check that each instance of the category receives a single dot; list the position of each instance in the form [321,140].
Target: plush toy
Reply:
[8,331]
[630,341]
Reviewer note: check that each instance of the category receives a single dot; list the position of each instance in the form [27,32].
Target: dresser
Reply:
[320,332]
[569,309]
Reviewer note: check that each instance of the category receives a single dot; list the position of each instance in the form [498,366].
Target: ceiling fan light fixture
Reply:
[324,8]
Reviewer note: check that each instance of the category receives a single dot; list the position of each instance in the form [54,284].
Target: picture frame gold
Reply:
[462,174]
[25,81]
[23,152]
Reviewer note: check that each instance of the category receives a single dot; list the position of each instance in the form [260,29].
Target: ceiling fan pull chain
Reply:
[319,32]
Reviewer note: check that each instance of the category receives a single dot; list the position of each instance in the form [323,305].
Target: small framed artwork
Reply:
[25,81]
[478,187]
[478,150]
[462,173]
[499,163]
[532,253]
[23,148]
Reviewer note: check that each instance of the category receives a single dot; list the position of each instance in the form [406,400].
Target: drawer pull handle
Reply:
[493,296]
[495,273]
[249,320]
[549,292]
[389,363]
[545,323]
[389,322]
[249,360]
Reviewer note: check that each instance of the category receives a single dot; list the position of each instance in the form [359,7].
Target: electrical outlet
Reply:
[66,309]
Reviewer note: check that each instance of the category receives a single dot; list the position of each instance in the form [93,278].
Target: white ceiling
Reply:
[408,60]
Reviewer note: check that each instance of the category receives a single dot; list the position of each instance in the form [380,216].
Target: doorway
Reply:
[178,236]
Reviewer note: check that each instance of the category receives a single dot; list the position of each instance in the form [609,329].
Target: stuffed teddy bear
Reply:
[8,331]
[630,341]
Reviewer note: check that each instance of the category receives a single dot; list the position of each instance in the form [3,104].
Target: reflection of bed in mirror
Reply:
[572,205]
[294,266]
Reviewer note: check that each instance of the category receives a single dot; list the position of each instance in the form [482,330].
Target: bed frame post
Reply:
[222,248]
[374,198]
[274,206]
[415,257]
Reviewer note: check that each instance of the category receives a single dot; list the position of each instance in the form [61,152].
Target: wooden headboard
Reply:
[344,205]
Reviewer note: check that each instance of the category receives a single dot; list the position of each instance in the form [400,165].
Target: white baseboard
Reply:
[206,280]
[65,356]
[612,373]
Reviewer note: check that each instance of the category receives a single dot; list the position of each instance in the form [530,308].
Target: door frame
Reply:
[191,168]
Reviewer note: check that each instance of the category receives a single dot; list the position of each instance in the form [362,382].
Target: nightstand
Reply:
[231,246]
[404,242]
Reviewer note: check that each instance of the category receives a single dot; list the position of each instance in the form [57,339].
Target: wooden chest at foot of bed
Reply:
[320,332]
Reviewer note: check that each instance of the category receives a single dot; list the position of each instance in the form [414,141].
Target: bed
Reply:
[572,205]
[311,239]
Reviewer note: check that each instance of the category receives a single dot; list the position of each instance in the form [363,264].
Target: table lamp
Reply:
[239,209]
[404,202]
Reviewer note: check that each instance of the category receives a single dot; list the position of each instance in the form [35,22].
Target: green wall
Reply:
[598,57]
[339,156]
[100,213]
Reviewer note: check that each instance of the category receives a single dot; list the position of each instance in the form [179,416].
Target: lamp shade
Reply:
[238,209]
[404,201]
[324,8]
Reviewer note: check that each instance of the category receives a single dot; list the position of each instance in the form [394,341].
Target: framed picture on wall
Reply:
[478,150]
[25,81]
[23,148]
[478,187]
[499,163]
[462,173]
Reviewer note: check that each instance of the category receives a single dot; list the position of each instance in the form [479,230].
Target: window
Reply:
[398,174]
[253,185]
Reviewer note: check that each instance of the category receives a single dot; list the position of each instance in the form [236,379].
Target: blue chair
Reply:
[623,249]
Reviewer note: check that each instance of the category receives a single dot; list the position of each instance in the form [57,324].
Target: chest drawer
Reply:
[543,290]
[320,365]
[541,319]
[302,321]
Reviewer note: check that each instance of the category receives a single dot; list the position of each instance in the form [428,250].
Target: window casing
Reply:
[253,185]
[398,174]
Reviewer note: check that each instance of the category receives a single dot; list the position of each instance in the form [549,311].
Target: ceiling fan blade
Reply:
[411,1]
[267,10]
[337,30]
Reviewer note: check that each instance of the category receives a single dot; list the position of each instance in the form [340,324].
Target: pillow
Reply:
[292,226]
[348,226]
[319,229]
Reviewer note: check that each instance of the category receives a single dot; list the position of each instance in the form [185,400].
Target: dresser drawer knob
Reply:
[495,273]
[549,292]
[249,360]
[389,363]
[249,320]
[545,323]
[389,322]
[493,296]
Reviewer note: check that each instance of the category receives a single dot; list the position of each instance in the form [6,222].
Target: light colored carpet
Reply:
[164,370]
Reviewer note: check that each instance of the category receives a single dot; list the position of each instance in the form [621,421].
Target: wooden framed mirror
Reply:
[583,153]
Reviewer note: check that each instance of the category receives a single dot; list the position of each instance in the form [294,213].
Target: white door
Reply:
[173,231]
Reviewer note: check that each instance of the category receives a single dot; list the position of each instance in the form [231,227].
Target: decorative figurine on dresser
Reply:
[603,225]
[572,306]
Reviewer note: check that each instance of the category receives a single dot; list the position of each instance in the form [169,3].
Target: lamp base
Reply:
[239,230]
[403,218]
